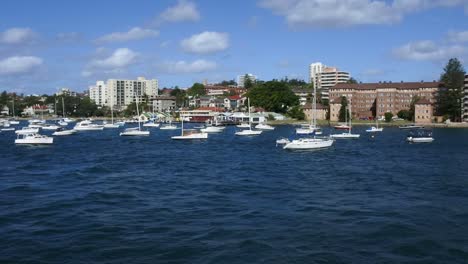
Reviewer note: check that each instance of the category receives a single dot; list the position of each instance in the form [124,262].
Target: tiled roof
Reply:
[423,101]
[397,85]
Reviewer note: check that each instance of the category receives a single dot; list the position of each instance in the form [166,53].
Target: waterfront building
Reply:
[241,79]
[465,101]
[98,94]
[375,99]
[121,93]
[324,77]
[164,103]
[234,102]
[303,94]
[320,112]
[423,111]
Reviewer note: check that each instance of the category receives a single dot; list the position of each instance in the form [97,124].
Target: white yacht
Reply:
[151,124]
[375,128]
[420,137]
[27,130]
[50,127]
[64,132]
[33,139]
[309,143]
[249,131]
[169,126]
[134,131]
[243,125]
[265,127]
[86,125]
[212,129]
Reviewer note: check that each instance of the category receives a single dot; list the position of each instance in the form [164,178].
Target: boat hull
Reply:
[191,136]
[345,136]
[135,133]
[420,139]
[64,133]
[35,141]
[248,133]
[303,144]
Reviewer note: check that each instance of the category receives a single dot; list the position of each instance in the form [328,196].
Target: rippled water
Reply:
[99,198]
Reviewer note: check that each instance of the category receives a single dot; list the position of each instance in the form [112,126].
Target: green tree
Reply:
[180,95]
[344,112]
[414,100]
[388,117]
[197,89]
[404,114]
[352,80]
[273,96]
[296,112]
[449,99]
[248,83]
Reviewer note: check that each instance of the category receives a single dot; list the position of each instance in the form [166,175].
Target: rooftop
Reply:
[397,85]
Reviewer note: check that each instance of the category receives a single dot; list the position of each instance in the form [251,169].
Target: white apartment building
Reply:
[241,79]
[324,77]
[465,101]
[121,93]
[98,94]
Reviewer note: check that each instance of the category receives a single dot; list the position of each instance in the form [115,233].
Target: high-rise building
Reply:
[98,94]
[465,101]
[241,79]
[324,77]
[121,93]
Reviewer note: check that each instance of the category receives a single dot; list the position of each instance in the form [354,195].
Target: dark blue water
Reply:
[99,198]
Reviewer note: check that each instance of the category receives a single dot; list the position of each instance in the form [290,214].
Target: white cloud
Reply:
[461,36]
[197,66]
[183,11]
[17,35]
[329,13]
[206,42]
[428,50]
[120,59]
[135,33]
[19,64]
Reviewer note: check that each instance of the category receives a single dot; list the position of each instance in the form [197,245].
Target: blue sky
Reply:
[46,45]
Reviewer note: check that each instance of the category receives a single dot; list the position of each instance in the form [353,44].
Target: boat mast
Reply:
[13,107]
[138,113]
[63,108]
[182,124]
[250,125]
[314,114]
[350,117]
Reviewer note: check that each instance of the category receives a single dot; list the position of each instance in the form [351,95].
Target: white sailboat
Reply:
[63,132]
[311,128]
[111,125]
[265,127]
[87,125]
[249,132]
[190,133]
[309,143]
[151,123]
[169,126]
[347,135]
[210,128]
[13,121]
[135,131]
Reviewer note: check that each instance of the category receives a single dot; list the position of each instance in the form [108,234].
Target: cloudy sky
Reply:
[45,45]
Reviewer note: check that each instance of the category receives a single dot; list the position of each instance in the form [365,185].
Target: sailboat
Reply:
[190,133]
[347,135]
[112,125]
[13,121]
[151,123]
[62,122]
[135,131]
[312,128]
[249,132]
[308,143]
[375,128]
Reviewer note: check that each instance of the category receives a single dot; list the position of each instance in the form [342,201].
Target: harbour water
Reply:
[96,197]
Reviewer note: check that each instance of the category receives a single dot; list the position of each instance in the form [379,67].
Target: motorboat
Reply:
[422,136]
[308,130]
[69,120]
[345,135]
[243,125]
[14,122]
[374,129]
[111,125]
[263,126]
[190,133]
[134,131]
[411,126]
[33,139]
[282,141]
[50,127]
[62,123]
[86,125]
[309,143]
[7,129]
[64,132]
[212,129]
[120,123]
[27,130]
[341,127]
[151,124]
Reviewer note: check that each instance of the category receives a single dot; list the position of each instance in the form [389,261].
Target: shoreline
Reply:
[367,123]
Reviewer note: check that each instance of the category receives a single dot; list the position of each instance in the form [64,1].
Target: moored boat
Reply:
[33,139]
